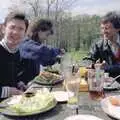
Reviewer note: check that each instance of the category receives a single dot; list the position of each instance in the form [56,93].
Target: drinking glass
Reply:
[71,80]
[95,85]
[83,71]
[72,85]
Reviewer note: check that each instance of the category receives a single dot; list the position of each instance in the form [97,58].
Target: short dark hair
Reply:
[16,15]
[42,25]
[39,25]
[112,17]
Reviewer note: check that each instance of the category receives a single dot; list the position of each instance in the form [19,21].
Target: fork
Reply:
[113,81]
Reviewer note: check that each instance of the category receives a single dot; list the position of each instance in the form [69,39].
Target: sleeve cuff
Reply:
[5,92]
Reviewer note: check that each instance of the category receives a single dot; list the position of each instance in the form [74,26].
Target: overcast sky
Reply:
[4,4]
[80,7]
[95,6]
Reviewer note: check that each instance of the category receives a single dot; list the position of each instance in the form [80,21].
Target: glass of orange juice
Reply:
[83,71]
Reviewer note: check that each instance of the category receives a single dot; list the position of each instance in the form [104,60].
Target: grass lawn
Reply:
[75,55]
[78,55]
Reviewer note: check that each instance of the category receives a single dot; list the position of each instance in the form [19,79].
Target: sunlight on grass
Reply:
[78,55]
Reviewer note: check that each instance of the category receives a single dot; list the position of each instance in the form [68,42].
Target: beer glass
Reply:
[72,85]
[95,83]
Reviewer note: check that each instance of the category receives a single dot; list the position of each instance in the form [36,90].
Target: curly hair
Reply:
[112,17]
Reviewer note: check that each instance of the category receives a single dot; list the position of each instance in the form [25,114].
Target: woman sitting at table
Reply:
[34,47]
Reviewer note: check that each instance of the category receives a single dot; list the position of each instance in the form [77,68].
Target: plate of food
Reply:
[48,78]
[52,70]
[82,117]
[28,104]
[111,106]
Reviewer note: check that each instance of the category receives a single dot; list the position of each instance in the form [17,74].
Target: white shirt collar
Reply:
[3,43]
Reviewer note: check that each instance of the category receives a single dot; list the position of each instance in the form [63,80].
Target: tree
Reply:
[70,32]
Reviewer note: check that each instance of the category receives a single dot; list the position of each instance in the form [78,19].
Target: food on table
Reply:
[15,99]
[50,69]
[114,100]
[83,85]
[37,102]
[47,77]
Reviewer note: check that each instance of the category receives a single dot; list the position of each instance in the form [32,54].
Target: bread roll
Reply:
[114,101]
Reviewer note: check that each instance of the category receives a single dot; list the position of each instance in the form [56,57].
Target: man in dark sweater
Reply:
[14,71]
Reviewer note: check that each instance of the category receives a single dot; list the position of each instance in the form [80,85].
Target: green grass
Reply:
[78,55]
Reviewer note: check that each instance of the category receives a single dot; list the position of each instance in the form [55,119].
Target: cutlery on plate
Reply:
[113,81]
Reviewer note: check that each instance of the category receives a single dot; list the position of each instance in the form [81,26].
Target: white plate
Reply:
[61,96]
[108,108]
[114,86]
[10,112]
[82,117]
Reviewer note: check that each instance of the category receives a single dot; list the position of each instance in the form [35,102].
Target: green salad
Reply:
[39,102]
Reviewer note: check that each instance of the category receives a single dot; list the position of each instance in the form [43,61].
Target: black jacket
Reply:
[14,69]
[102,50]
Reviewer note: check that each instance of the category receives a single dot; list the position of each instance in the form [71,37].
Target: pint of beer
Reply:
[95,85]
[72,87]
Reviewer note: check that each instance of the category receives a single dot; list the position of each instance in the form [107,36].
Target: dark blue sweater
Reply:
[38,52]
[14,69]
